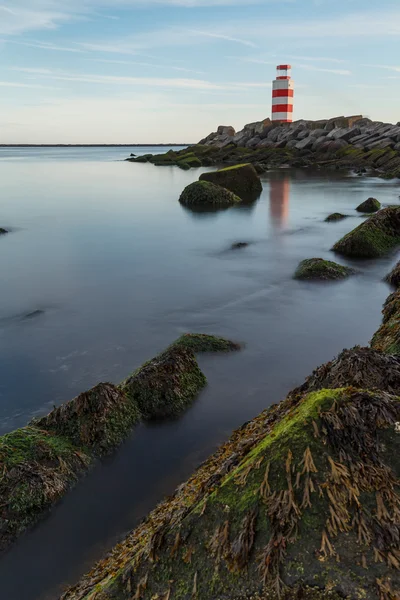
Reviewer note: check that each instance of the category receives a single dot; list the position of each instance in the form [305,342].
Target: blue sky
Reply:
[147,71]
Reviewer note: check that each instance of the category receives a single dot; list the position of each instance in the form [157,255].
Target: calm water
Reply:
[103,269]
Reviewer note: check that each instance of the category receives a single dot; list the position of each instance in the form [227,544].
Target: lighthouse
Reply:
[282,95]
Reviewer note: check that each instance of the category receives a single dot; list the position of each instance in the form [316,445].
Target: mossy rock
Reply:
[371,205]
[301,503]
[204,193]
[200,342]
[242,180]
[374,237]
[166,385]
[3,231]
[320,269]
[394,276]
[37,469]
[183,165]
[98,419]
[387,338]
[335,217]
[192,161]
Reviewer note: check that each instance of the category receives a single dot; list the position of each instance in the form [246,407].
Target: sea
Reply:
[103,268]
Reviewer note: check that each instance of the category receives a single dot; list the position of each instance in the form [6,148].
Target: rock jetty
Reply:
[41,462]
[356,143]
[302,502]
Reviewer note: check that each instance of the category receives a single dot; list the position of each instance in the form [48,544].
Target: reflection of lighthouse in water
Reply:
[279,194]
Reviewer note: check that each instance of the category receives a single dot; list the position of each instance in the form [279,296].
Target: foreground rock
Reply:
[204,193]
[302,503]
[41,462]
[242,180]
[374,237]
[394,276]
[387,338]
[320,269]
[335,217]
[369,206]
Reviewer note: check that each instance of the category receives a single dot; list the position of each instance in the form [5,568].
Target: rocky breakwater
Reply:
[339,143]
[302,503]
[40,462]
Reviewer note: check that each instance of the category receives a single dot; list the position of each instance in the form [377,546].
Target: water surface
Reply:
[103,268]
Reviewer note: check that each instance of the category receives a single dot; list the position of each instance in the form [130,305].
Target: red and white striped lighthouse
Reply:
[282,95]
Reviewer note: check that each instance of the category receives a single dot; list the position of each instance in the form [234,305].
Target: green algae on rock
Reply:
[320,269]
[242,180]
[37,469]
[306,495]
[374,237]
[98,419]
[335,217]
[387,338]
[369,206]
[165,386]
[204,193]
[394,276]
[201,342]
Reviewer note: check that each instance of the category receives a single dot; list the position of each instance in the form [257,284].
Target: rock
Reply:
[3,231]
[369,206]
[387,338]
[206,193]
[201,342]
[239,245]
[335,217]
[98,419]
[305,143]
[33,314]
[394,276]
[242,180]
[226,130]
[183,165]
[259,168]
[133,154]
[374,237]
[318,268]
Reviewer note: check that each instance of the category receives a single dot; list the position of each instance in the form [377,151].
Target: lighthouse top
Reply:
[283,71]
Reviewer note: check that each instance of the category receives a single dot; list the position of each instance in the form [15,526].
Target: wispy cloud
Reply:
[145,64]
[386,67]
[17,84]
[306,67]
[221,36]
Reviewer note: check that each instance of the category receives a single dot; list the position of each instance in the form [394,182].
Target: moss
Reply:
[242,180]
[204,193]
[335,217]
[318,268]
[183,165]
[373,238]
[394,276]
[369,206]
[199,342]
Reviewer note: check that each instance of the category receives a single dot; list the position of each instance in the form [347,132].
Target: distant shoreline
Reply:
[89,145]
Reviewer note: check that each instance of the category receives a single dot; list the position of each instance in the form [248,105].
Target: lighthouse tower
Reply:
[282,95]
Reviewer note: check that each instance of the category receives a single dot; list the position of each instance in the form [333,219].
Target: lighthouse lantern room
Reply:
[282,95]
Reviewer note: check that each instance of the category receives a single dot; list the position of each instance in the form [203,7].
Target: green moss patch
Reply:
[335,217]
[320,269]
[374,237]
[200,342]
[242,180]
[204,193]
[371,205]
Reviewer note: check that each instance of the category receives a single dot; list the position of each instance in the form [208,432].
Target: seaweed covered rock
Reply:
[166,385]
[359,367]
[201,342]
[307,509]
[242,180]
[37,468]
[98,419]
[374,237]
[3,231]
[387,338]
[320,269]
[369,206]
[335,217]
[394,276]
[204,193]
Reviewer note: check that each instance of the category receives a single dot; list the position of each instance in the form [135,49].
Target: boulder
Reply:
[226,130]
[3,231]
[206,193]
[394,276]
[320,269]
[335,217]
[242,180]
[369,206]
[387,338]
[374,237]
[239,245]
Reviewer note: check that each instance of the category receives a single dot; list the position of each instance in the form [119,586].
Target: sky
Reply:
[161,71]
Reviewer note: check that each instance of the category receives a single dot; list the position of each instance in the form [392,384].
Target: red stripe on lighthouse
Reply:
[283,93]
[282,108]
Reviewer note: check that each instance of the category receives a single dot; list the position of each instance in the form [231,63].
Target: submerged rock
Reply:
[394,276]
[369,206]
[239,245]
[204,193]
[3,231]
[242,180]
[374,237]
[318,268]
[335,217]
